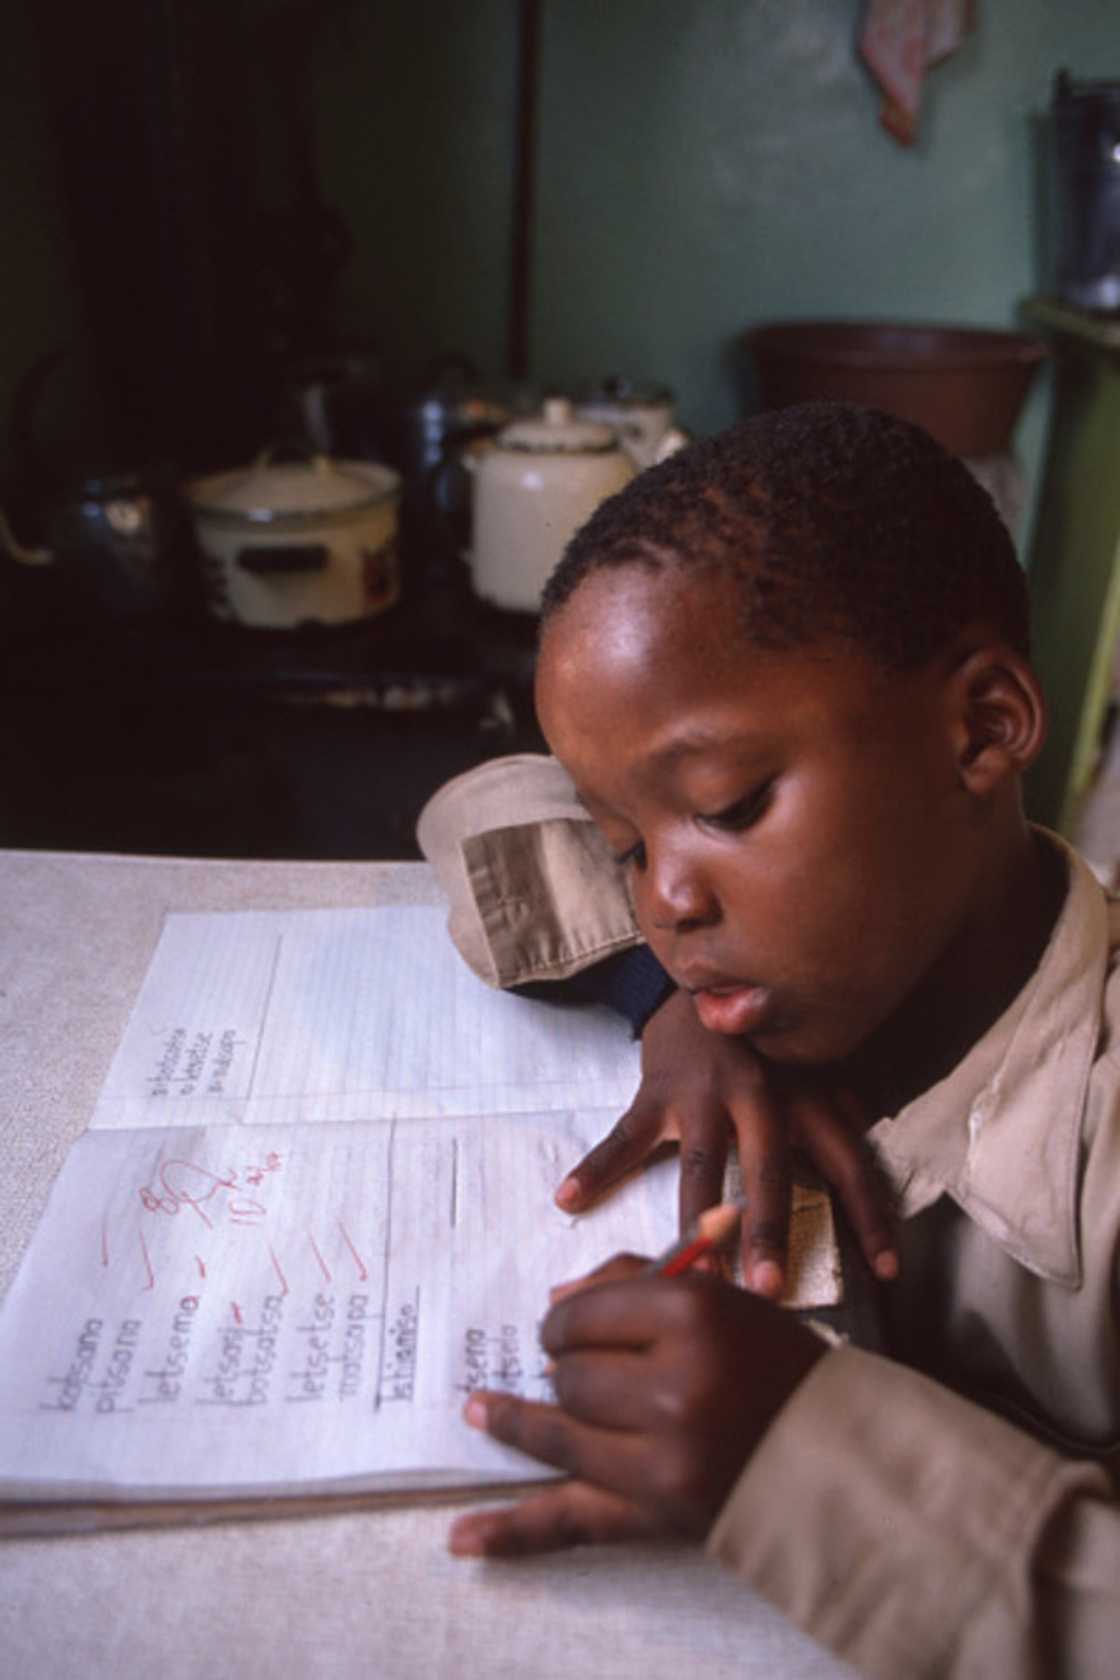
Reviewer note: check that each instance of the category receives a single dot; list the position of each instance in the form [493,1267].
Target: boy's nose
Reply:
[679,897]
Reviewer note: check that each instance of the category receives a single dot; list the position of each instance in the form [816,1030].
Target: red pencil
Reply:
[712,1230]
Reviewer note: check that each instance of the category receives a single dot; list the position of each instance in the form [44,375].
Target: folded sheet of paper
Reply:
[314,1209]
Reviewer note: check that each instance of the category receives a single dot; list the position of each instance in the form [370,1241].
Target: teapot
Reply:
[535,485]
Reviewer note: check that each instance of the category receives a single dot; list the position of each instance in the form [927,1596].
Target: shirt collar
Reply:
[1001,1133]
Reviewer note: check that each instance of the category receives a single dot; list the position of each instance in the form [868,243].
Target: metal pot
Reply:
[311,542]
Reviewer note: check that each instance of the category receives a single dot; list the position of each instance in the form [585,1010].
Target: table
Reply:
[371,1594]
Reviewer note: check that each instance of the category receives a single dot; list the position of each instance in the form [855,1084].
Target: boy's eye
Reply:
[635,854]
[743,812]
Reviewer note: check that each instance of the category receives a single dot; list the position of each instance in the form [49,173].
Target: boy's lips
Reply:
[731,1006]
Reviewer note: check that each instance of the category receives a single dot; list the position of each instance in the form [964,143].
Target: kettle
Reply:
[448,412]
[535,485]
[112,538]
[641,414]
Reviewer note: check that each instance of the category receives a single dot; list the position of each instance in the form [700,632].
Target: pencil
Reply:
[711,1230]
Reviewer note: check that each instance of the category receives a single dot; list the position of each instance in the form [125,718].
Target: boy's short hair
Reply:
[839,522]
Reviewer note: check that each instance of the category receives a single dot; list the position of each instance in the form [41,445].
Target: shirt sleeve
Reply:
[918,1535]
[533,890]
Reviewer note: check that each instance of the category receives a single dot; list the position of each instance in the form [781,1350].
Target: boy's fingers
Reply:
[572,1515]
[608,1458]
[610,1390]
[704,1141]
[830,1133]
[626,1317]
[625,1146]
[764,1158]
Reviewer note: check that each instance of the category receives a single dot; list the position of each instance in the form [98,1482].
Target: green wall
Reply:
[703,164]
[706,164]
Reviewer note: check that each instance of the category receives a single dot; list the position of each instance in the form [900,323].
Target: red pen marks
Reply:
[236,1310]
[254,1173]
[201,1264]
[151,1283]
[363,1274]
[104,1239]
[323,1267]
[177,1185]
[278,1269]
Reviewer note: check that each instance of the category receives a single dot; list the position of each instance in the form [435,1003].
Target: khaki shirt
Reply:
[950,1511]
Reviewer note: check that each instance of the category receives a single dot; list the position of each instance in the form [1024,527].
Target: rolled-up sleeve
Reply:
[916,1534]
[534,892]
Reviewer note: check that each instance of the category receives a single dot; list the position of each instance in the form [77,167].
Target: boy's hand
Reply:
[705,1088]
[665,1387]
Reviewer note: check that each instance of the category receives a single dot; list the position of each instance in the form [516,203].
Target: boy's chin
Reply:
[800,1043]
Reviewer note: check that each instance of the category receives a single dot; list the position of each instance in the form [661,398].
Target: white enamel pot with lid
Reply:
[285,544]
[535,486]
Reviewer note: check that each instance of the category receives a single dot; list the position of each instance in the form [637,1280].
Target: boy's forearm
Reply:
[916,1534]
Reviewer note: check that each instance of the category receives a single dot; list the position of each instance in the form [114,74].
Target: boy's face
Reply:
[796,836]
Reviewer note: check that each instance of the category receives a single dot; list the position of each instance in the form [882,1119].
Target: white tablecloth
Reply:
[372,1594]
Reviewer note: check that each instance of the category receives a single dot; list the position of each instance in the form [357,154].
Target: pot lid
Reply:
[292,489]
[556,431]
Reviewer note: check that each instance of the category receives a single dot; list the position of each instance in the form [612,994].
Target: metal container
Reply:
[1085,140]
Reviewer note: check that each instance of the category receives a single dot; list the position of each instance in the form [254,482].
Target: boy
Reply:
[788,675]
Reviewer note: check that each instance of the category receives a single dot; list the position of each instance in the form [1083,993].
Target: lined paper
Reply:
[314,1016]
[313,1211]
[233,1310]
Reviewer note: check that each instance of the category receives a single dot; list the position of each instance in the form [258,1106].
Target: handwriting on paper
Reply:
[186,1184]
[227,1307]
[188,1062]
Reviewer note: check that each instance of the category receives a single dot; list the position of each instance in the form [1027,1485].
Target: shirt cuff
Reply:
[632,983]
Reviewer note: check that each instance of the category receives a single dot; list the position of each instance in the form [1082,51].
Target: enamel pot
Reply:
[306,543]
[535,485]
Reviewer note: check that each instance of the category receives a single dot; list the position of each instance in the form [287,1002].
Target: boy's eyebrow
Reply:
[695,741]
[702,740]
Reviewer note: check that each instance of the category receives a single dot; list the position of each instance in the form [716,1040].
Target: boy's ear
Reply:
[999,717]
